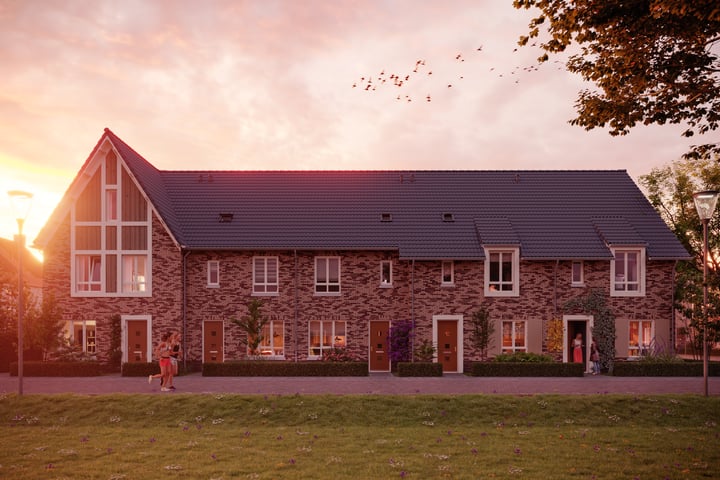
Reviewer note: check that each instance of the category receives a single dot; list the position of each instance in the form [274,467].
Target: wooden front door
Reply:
[137,341]
[379,358]
[213,341]
[447,347]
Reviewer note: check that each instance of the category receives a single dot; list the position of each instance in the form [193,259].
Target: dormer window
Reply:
[225,217]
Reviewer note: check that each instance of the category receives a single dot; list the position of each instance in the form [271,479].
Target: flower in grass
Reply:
[185,428]
[517,451]
[213,456]
[152,439]
[49,466]
[83,439]
[217,421]
[115,419]
[596,448]
[474,451]
[173,467]
[403,473]
[279,437]
[291,461]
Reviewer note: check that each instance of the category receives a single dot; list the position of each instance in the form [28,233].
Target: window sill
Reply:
[577,285]
[265,294]
[327,294]
[447,285]
[385,285]
[213,286]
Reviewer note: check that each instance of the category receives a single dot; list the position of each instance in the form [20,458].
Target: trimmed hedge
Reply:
[60,369]
[419,369]
[658,369]
[259,368]
[525,369]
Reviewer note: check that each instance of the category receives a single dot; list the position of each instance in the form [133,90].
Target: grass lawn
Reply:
[359,437]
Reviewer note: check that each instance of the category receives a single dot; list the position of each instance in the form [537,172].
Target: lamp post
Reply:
[20,202]
[705,204]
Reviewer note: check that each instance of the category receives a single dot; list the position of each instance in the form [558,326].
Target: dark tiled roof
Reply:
[433,214]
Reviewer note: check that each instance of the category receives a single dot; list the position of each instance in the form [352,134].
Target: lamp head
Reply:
[705,203]
[20,202]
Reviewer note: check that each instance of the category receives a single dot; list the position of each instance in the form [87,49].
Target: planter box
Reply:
[60,369]
[419,369]
[259,368]
[525,369]
[649,369]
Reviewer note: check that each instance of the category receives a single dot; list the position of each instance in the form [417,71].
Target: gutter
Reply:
[296,307]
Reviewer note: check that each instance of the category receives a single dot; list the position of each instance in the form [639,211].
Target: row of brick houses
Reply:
[338,256]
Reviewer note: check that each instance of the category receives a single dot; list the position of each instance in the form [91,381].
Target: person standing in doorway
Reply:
[577,348]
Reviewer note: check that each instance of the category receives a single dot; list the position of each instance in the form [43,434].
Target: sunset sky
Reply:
[268,84]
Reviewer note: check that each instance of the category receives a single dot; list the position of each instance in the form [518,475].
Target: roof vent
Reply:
[448,217]
[386,217]
[225,217]
[407,178]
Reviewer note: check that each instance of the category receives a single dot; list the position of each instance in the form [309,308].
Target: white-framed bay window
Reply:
[326,335]
[502,272]
[627,272]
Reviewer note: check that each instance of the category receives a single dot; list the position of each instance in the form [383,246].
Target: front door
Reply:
[137,341]
[379,358]
[213,341]
[447,347]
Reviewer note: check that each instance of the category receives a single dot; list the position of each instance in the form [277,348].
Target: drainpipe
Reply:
[555,294]
[672,311]
[185,253]
[412,309]
[297,307]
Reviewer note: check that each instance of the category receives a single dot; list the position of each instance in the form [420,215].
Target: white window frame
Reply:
[133,282]
[86,346]
[263,286]
[327,287]
[87,267]
[336,339]
[620,279]
[213,273]
[268,348]
[108,194]
[579,280]
[513,325]
[447,273]
[386,274]
[643,343]
[514,282]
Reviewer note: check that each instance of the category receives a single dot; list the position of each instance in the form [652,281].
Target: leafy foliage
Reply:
[652,61]
[482,330]
[523,357]
[425,351]
[400,340]
[336,354]
[252,324]
[555,335]
[670,190]
[45,326]
[595,304]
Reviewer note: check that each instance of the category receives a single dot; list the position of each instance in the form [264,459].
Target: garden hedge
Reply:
[660,369]
[525,369]
[259,368]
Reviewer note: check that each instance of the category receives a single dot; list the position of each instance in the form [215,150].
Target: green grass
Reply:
[359,437]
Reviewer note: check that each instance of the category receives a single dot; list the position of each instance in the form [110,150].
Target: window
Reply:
[513,336]
[577,273]
[627,272]
[501,272]
[111,230]
[448,273]
[272,343]
[87,273]
[82,334]
[133,273]
[265,275]
[386,273]
[327,275]
[213,273]
[326,335]
[640,337]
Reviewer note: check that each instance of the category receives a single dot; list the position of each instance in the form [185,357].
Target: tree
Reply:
[670,190]
[652,61]
[253,324]
[45,325]
[482,332]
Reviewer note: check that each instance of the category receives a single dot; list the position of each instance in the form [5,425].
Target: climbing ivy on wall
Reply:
[595,304]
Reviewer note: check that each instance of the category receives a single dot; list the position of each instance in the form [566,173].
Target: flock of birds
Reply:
[414,76]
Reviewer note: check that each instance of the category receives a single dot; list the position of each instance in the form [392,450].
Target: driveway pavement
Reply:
[374,384]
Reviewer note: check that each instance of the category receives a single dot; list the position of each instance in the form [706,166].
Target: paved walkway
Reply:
[375,384]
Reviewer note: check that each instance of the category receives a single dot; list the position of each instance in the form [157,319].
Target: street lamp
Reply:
[705,204]
[20,202]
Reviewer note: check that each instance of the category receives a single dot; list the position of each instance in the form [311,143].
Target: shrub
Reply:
[338,355]
[524,357]
[663,369]
[525,369]
[425,352]
[262,368]
[400,341]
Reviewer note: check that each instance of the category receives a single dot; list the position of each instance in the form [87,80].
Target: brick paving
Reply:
[374,384]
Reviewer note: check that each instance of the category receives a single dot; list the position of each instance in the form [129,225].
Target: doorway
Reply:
[575,325]
[379,357]
[137,340]
[447,333]
[213,341]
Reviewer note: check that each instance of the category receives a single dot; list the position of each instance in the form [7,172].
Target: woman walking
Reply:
[162,352]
